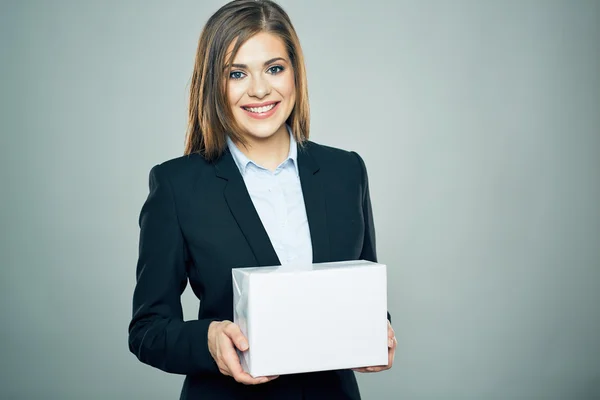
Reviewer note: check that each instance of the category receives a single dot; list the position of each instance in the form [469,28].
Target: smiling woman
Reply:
[250,190]
[262,92]
[243,45]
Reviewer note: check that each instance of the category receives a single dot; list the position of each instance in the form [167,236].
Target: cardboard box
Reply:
[313,317]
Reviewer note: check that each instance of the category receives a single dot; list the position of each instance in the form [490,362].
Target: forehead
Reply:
[259,48]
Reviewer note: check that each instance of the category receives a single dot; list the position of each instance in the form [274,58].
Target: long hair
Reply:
[210,118]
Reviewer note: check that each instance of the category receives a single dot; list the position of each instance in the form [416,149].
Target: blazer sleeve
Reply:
[158,336]
[369,251]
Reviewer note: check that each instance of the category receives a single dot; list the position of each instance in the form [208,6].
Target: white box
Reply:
[313,317]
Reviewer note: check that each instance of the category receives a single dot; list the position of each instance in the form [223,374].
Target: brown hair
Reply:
[210,117]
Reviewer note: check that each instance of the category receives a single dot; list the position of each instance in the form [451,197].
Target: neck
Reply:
[269,152]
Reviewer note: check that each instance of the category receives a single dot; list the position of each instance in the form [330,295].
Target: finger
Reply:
[375,368]
[365,370]
[379,368]
[391,353]
[238,373]
[391,335]
[392,342]
[237,337]
[247,379]
[233,366]
[230,358]
[223,357]
[223,370]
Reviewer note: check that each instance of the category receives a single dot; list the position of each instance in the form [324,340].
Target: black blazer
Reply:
[198,223]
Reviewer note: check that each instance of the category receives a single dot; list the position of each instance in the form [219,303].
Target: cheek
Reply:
[287,87]
[291,87]
[235,93]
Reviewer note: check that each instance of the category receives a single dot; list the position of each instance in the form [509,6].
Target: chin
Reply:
[263,132]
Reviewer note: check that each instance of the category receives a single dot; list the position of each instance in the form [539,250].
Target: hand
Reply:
[223,338]
[392,343]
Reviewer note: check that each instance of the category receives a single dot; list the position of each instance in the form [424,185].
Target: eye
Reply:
[275,69]
[236,75]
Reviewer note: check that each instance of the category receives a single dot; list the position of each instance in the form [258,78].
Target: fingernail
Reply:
[243,346]
[390,342]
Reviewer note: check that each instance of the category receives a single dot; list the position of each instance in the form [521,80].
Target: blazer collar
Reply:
[242,161]
[241,206]
[313,184]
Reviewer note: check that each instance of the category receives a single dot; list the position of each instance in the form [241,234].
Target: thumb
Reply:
[237,337]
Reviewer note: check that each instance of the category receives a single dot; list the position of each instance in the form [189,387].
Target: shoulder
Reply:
[181,170]
[335,158]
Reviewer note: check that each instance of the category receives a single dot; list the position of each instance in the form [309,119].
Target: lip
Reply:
[263,115]
[254,105]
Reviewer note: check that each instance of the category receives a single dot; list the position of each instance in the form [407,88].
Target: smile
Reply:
[259,110]
[263,111]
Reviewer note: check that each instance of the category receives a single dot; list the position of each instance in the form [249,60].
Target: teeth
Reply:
[260,109]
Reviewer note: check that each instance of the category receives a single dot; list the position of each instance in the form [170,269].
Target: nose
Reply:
[259,87]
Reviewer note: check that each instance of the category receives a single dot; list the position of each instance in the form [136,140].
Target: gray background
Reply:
[479,122]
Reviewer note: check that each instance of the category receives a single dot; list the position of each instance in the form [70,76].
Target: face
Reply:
[261,88]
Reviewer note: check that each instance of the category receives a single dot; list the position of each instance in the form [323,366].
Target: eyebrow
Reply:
[272,60]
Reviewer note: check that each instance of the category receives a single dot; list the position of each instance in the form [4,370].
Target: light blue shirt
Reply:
[278,199]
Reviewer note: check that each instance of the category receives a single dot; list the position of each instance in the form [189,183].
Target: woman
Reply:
[251,190]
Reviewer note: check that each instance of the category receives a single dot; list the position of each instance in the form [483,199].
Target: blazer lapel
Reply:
[314,201]
[241,206]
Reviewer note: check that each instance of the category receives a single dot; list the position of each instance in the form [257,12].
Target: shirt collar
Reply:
[242,161]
